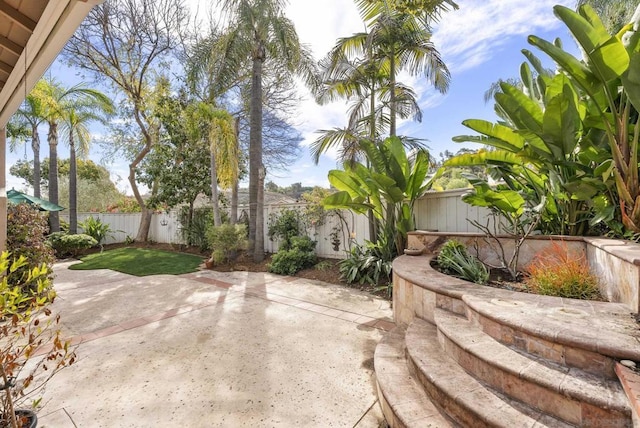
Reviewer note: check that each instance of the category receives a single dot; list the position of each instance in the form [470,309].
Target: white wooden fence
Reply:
[438,211]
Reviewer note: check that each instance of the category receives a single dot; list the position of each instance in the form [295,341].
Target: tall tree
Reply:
[400,41]
[31,113]
[56,102]
[124,40]
[258,30]
[75,128]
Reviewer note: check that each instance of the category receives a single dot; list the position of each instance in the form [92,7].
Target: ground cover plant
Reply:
[141,262]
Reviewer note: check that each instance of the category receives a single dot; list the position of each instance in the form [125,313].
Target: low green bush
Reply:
[95,228]
[226,240]
[70,245]
[368,264]
[289,262]
[300,256]
[454,258]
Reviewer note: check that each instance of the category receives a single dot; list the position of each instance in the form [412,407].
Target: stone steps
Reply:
[500,358]
[570,394]
[404,403]
[464,398]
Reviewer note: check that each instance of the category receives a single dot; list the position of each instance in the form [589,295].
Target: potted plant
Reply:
[29,333]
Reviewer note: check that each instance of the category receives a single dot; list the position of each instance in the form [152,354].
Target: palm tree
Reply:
[56,101]
[75,127]
[365,82]
[217,128]
[258,32]
[401,42]
[31,113]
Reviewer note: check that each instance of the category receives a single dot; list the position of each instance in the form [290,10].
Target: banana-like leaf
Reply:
[561,123]
[416,182]
[344,181]
[483,158]
[523,112]
[574,67]
[606,55]
[342,200]
[507,135]
[507,201]
[631,80]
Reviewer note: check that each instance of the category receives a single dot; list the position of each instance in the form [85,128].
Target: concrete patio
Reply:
[214,349]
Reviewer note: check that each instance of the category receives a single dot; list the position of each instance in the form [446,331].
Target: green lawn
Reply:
[141,262]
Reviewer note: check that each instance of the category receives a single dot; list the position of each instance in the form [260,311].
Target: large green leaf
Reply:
[631,80]
[561,121]
[416,183]
[523,111]
[507,136]
[607,57]
[574,67]
[344,181]
[342,200]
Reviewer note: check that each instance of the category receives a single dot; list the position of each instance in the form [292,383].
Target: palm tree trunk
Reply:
[217,221]
[392,94]
[52,137]
[73,187]
[35,146]
[233,215]
[256,216]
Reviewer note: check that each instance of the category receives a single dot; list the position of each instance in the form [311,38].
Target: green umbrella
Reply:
[16,197]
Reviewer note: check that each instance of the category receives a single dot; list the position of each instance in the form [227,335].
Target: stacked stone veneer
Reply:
[615,262]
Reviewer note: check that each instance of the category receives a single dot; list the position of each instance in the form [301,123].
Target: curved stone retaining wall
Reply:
[615,262]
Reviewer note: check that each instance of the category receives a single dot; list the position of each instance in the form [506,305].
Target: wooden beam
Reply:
[10,46]
[5,67]
[13,14]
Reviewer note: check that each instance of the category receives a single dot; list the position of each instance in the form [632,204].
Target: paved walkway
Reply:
[214,349]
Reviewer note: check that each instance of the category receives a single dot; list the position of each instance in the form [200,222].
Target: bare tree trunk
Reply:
[54,218]
[260,219]
[145,225]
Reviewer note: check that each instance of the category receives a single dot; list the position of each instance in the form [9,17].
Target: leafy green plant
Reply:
[193,229]
[563,273]
[28,324]
[608,78]
[226,240]
[454,258]
[284,225]
[367,264]
[95,228]
[65,245]
[388,187]
[300,256]
[26,237]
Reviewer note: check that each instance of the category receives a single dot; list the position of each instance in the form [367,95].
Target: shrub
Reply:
[95,228]
[300,256]
[26,237]
[563,273]
[367,264]
[194,230]
[226,240]
[27,325]
[65,245]
[284,225]
[289,262]
[454,258]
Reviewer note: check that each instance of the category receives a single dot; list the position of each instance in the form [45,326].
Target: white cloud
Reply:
[471,35]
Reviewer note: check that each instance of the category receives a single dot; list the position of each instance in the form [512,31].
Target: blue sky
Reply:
[480,43]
